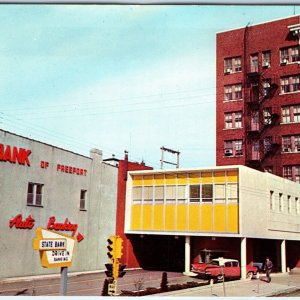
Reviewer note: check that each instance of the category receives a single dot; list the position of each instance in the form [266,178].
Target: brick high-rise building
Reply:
[258,97]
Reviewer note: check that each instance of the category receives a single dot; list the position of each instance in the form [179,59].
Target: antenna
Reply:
[162,161]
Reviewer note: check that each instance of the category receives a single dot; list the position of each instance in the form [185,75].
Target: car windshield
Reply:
[214,262]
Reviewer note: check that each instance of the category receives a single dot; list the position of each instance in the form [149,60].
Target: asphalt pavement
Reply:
[280,285]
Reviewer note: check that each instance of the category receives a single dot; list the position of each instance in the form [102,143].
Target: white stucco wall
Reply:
[61,198]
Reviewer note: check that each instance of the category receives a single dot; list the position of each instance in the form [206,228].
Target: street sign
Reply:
[56,249]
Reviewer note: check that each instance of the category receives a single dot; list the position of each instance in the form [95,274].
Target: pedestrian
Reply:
[268,268]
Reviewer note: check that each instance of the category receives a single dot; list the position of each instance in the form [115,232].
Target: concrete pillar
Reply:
[283,256]
[243,258]
[187,258]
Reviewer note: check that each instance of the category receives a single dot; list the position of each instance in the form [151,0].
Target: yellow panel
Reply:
[194,217]
[170,179]
[232,176]
[194,178]
[136,217]
[148,180]
[137,180]
[158,212]
[182,179]
[206,177]
[219,177]
[170,217]
[147,217]
[206,217]
[233,218]
[220,218]
[159,179]
[181,222]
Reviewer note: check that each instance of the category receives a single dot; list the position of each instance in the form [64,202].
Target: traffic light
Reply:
[121,270]
[109,270]
[111,247]
[119,247]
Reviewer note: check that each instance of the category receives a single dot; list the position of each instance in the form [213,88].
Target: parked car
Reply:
[260,266]
[222,268]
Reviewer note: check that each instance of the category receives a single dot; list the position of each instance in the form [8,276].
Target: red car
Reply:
[221,268]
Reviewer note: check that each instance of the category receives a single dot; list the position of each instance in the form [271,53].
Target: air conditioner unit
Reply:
[228,152]
[266,64]
[228,70]
[284,61]
[286,149]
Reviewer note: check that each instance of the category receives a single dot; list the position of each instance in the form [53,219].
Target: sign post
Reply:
[56,250]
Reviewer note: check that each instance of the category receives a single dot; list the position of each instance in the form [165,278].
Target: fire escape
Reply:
[259,145]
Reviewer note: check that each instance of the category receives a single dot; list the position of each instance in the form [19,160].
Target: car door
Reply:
[235,269]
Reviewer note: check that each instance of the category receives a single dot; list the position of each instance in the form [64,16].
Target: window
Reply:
[34,194]
[137,194]
[266,87]
[292,173]
[271,200]
[170,193]
[232,65]
[194,193]
[233,148]
[287,172]
[232,193]
[267,144]
[266,59]
[289,55]
[233,120]
[297,174]
[220,195]
[268,169]
[290,84]
[289,203]
[297,205]
[254,62]
[159,194]
[286,144]
[291,114]
[82,200]
[148,193]
[233,92]
[181,193]
[280,202]
[207,193]
[267,112]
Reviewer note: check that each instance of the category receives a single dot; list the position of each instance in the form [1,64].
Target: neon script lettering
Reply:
[66,226]
[17,221]
[14,154]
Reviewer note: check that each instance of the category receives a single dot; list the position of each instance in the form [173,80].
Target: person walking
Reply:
[268,268]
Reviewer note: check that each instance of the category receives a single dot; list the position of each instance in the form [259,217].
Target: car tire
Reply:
[249,275]
[220,277]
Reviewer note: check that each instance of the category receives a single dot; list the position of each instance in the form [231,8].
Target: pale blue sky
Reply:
[116,77]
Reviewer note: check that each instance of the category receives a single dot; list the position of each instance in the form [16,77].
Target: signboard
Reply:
[56,249]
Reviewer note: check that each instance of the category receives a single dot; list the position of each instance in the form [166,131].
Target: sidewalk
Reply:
[280,284]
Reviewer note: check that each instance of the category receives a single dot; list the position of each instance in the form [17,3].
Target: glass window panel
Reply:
[232,192]
[207,193]
[148,193]
[159,193]
[137,193]
[220,191]
[194,193]
[170,192]
[181,192]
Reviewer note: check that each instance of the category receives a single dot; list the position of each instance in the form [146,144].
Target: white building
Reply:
[42,186]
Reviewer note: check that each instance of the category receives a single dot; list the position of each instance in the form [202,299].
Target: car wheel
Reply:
[220,277]
[249,275]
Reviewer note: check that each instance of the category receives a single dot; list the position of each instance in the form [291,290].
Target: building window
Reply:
[289,203]
[291,143]
[266,59]
[290,84]
[267,144]
[148,193]
[254,62]
[82,200]
[137,194]
[232,65]
[233,120]
[232,193]
[159,194]
[266,87]
[271,200]
[268,169]
[34,194]
[220,194]
[297,174]
[291,114]
[297,205]
[170,193]
[267,112]
[287,172]
[207,193]
[292,173]
[232,92]
[233,148]
[289,55]
[181,193]
[194,193]
[280,202]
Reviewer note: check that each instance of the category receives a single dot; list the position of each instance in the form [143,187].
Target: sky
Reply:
[118,77]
